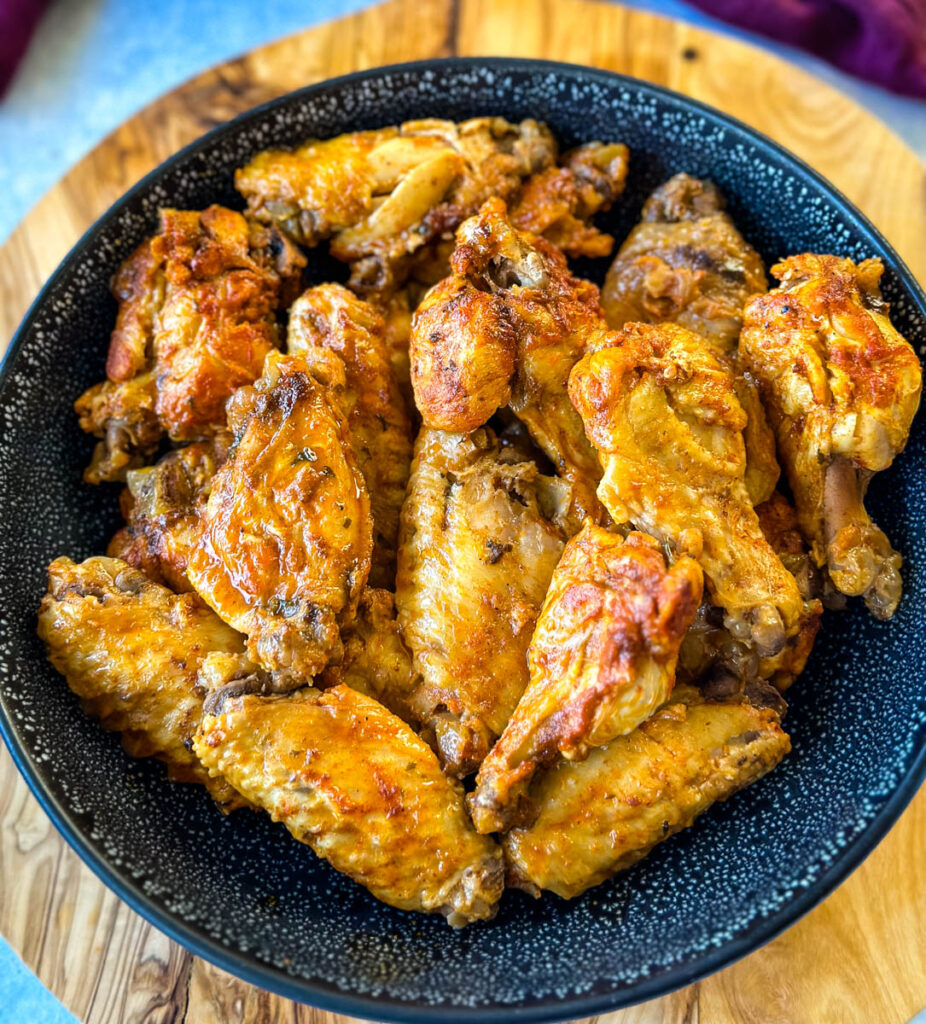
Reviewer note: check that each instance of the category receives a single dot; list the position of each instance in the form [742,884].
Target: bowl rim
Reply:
[326,995]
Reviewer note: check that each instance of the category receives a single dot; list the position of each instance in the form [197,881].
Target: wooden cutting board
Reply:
[861,955]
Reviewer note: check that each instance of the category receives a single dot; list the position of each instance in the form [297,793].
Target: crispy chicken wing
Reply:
[559,202]
[131,650]
[284,551]
[842,388]
[196,318]
[686,263]
[342,340]
[387,197]
[506,329]
[599,816]
[478,546]
[602,660]
[351,780]
[164,502]
[663,413]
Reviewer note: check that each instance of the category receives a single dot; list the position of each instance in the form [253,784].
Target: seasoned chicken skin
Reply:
[559,202]
[841,387]
[662,411]
[131,650]
[355,783]
[478,547]
[602,660]
[196,318]
[286,535]
[386,197]
[342,340]
[599,816]
[686,263]
[164,502]
[506,328]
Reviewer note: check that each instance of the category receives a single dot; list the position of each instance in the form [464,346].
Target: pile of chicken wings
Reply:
[470,574]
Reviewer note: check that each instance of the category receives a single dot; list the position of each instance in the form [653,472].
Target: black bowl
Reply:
[238,891]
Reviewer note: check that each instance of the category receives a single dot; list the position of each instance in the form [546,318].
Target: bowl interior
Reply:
[238,889]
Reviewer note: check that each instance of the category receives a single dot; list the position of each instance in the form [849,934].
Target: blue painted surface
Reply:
[93,62]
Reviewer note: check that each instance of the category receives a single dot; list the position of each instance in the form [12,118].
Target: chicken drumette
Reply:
[132,651]
[686,263]
[286,535]
[480,540]
[196,318]
[662,411]
[506,328]
[355,783]
[602,660]
[842,388]
[599,816]
[342,340]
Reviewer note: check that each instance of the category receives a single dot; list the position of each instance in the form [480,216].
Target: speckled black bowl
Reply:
[238,890]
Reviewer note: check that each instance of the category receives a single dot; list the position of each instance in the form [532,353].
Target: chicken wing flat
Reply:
[599,816]
[342,340]
[841,387]
[286,535]
[131,650]
[506,328]
[602,660]
[559,202]
[355,783]
[686,263]
[376,661]
[164,502]
[196,318]
[478,547]
[663,413]
[385,197]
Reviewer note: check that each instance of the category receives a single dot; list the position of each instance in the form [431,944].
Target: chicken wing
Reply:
[386,197]
[841,387]
[663,413]
[342,340]
[478,546]
[131,650]
[286,535]
[351,780]
[602,660]
[686,263]
[559,202]
[196,318]
[599,816]
[506,329]
[163,506]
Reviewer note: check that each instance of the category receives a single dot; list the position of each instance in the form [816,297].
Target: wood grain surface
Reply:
[861,955]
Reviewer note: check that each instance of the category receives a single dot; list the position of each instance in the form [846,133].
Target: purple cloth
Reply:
[18,19]
[881,40]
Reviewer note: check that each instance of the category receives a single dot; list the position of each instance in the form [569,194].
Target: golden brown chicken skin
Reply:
[602,660]
[559,202]
[342,340]
[686,263]
[196,318]
[386,198]
[663,413]
[286,535]
[478,547]
[163,503]
[355,783]
[841,387]
[506,329]
[131,650]
[599,816]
